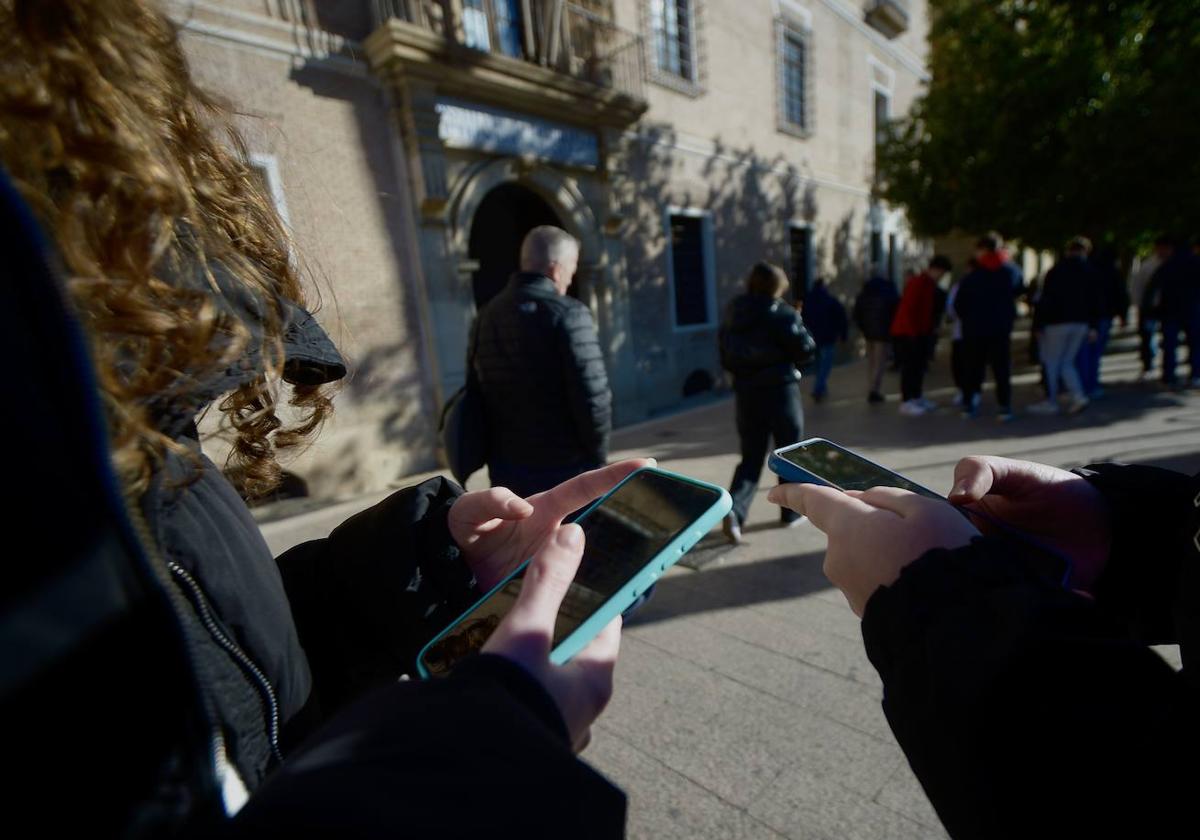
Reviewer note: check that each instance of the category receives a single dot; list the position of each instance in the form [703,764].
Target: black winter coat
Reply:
[875,307]
[762,340]
[1072,294]
[1173,293]
[541,372]
[986,301]
[825,317]
[155,661]
[1029,710]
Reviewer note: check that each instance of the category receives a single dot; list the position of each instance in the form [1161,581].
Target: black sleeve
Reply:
[1149,508]
[586,381]
[1046,300]
[1022,710]
[368,597]
[798,344]
[483,753]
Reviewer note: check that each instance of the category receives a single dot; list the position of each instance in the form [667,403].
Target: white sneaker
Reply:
[958,400]
[927,404]
[1077,405]
[912,408]
[1044,407]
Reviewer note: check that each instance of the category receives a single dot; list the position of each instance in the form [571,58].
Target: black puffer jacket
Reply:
[1071,294]
[151,652]
[762,341]
[541,371]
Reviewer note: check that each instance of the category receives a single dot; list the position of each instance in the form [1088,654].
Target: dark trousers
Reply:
[763,414]
[984,352]
[913,353]
[1148,342]
[958,364]
[1171,328]
[525,480]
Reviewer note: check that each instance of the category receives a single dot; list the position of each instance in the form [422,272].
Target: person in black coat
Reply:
[874,309]
[762,341]
[1067,318]
[540,369]
[1028,705]
[826,320]
[986,308]
[1173,294]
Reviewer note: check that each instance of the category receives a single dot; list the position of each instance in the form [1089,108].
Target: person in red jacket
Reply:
[913,328]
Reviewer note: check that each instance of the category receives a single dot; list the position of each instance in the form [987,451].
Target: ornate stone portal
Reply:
[472,120]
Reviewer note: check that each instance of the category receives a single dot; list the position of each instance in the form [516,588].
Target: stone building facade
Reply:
[413,142]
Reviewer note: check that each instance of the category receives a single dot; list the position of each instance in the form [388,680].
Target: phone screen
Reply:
[621,536]
[846,470]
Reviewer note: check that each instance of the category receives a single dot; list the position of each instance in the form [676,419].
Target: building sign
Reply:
[465,125]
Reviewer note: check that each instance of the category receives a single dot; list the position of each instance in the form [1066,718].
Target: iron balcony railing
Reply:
[552,33]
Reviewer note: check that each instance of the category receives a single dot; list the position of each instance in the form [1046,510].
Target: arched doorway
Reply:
[504,216]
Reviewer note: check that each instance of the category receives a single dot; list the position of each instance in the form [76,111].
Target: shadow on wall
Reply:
[386,381]
[751,199]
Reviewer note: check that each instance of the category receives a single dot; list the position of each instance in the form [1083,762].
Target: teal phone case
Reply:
[624,597]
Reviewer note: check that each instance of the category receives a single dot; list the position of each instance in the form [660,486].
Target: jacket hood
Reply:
[310,357]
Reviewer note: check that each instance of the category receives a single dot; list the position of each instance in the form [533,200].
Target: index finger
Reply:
[574,493]
[825,507]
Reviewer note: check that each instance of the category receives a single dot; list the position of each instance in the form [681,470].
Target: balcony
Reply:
[888,16]
[547,57]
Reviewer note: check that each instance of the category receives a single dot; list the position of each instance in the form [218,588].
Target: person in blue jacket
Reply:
[826,320]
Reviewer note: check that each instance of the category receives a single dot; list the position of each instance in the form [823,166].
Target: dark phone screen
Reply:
[621,537]
[847,471]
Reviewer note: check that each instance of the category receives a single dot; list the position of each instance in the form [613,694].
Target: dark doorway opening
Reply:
[504,216]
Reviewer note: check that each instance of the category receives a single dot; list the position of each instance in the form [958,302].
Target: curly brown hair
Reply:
[121,157]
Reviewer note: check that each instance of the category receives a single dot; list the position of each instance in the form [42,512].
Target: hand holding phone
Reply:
[581,688]
[873,534]
[634,533]
[1059,508]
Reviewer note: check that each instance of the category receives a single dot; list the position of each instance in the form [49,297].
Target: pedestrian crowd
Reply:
[164,675]
[1072,313]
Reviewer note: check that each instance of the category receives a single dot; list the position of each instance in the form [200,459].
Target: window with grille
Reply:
[793,78]
[802,260]
[690,267]
[672,27]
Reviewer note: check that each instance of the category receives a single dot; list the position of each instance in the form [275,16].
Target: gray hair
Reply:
[545,246]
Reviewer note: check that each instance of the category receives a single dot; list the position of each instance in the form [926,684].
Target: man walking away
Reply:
[1066,318]
[1148,312]
[826,320]
[1176,285]
[913,328]
[762,342]
[986,304]
[541,372]
[1112,302]
[874,309]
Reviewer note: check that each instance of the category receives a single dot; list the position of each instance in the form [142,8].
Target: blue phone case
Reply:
[624,597]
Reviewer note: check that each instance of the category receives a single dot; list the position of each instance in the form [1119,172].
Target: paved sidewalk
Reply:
[745,706]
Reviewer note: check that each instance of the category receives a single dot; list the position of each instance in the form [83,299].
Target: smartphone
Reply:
[819,461]
[632,535]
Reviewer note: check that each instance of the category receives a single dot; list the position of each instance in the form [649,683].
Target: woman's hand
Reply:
[873,534]
[582,687]
[1055,506]
[498,530]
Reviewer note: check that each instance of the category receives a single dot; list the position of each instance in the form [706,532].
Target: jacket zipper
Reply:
[231,647]
[129,515]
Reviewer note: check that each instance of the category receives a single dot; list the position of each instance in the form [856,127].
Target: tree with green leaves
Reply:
[1048,118]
